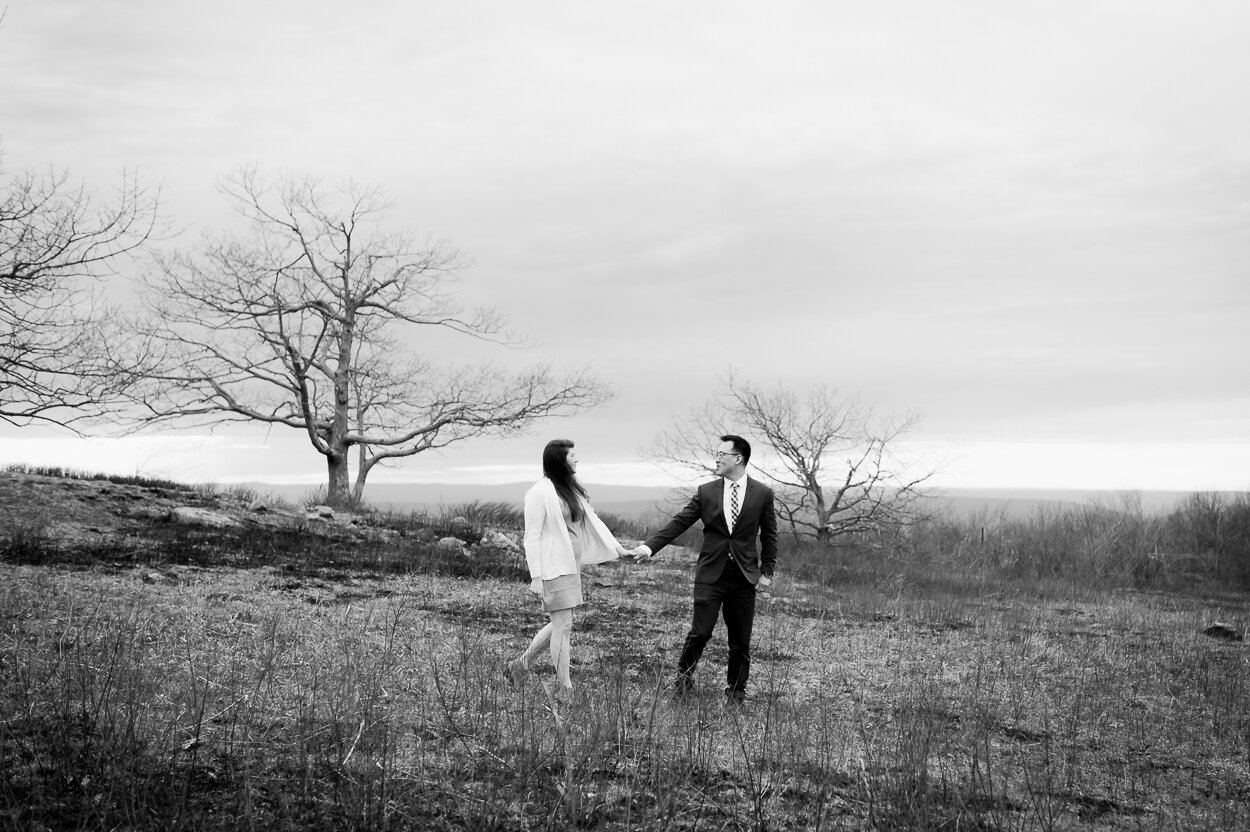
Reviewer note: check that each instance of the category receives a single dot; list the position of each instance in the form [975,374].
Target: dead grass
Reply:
[221,698]
[253,680]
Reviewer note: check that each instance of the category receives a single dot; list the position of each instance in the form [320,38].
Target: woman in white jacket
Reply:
[562,532]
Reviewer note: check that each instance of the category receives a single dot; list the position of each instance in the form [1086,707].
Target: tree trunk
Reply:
[823,514]
[362,472]
[340,482]
[339,493]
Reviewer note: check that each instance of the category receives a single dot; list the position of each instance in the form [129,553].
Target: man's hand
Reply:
[764,583]
[641,553]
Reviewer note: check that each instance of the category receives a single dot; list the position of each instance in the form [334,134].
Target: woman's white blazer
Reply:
[548,547]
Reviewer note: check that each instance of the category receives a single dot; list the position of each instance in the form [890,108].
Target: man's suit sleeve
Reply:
[681,521]
[768,538]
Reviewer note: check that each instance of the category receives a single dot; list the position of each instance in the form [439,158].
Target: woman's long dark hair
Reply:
[556,468]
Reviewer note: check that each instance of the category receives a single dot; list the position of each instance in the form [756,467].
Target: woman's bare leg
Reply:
[518,667]
[540,638]
[562,644]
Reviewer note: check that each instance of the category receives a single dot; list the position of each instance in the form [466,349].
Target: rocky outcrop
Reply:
[202,517]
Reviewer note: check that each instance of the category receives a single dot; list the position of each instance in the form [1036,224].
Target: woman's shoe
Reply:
[515,672]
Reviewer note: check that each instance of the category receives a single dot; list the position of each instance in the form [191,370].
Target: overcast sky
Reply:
[1028,222]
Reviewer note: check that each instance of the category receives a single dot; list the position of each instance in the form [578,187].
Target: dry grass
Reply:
[362,689]
[222,699]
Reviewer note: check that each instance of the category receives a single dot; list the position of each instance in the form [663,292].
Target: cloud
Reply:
[1025,222]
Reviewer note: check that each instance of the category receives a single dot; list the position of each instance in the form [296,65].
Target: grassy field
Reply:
[181,677]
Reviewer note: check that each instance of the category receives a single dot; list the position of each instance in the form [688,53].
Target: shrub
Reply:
[117,479]
[1213,529]
[27,541]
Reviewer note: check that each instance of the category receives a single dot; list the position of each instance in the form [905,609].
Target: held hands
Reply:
[764,583]
[641,553]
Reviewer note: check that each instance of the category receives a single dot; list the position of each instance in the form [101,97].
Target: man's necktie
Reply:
[733,506]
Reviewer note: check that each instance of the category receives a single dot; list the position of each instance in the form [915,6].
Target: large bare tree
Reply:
[63,358]
[319,319]
[829,459]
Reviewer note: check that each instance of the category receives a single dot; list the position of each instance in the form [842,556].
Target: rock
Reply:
[499,540]
[459,523]
[160,578]
[202,516]
[321,511]
[1224,631]
[452,544]
[150,513]
[258,505]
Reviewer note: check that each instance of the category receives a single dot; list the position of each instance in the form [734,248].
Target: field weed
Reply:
[201,679]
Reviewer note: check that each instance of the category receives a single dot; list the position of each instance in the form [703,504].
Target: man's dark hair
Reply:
[741,446]
[556,468]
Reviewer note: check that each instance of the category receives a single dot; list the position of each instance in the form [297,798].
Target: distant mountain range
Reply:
[627,500]
[639,501]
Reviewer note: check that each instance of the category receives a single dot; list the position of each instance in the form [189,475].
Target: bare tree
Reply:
[830,461]
[63,358]
[306,323]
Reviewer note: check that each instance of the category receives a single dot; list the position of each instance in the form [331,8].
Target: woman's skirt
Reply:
[562,593]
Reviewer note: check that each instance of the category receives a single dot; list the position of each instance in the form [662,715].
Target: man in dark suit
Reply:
[735,510]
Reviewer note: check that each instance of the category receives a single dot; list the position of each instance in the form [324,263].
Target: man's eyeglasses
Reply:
[723,454]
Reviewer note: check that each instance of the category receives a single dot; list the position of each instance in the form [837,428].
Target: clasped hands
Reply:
[639,553]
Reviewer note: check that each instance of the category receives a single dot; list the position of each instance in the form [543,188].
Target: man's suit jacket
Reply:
[757,518]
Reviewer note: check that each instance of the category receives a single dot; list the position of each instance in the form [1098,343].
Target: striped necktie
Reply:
[733,506]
